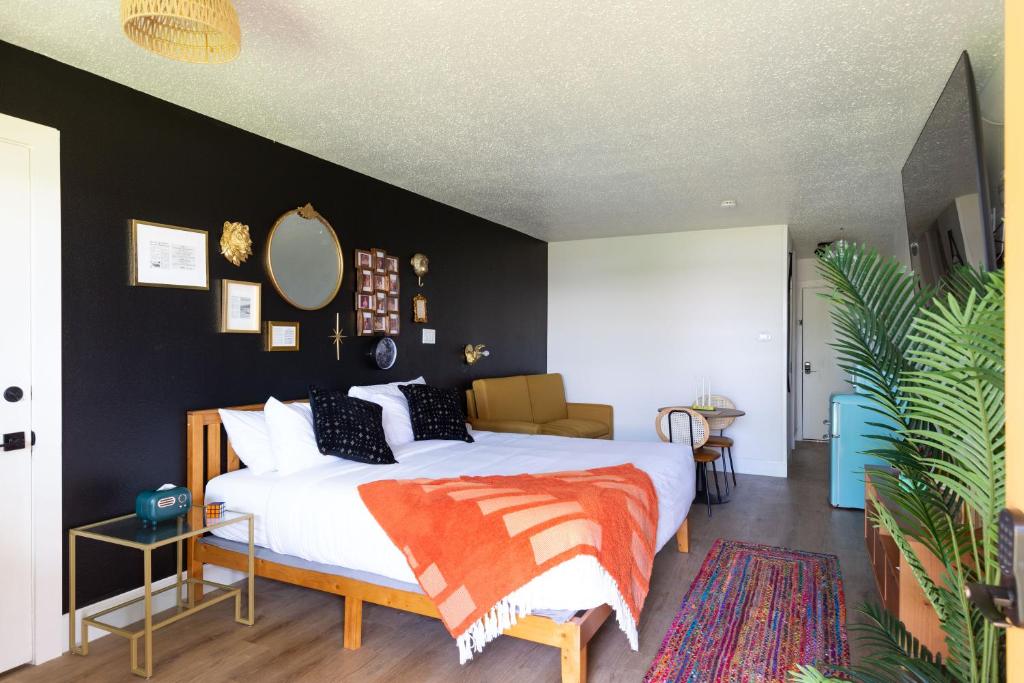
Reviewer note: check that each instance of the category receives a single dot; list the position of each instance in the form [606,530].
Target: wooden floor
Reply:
[297,635]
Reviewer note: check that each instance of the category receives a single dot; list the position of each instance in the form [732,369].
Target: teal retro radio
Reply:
[167,502]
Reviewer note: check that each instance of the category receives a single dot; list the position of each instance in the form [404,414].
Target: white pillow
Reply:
[247,430]
[291,436]
[395,415]
[390,389]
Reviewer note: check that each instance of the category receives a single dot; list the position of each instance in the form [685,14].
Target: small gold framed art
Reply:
[366,281]
[392,304]
[393,325]
[380,324]
[364,323]
[168,256]
[240,306]
[364,302]
[379,260]
[280,336]
[364,259]
[419,309]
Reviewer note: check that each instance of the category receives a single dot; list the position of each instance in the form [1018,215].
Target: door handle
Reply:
[807,367]
[14,441]
[13,394]
[1002,604]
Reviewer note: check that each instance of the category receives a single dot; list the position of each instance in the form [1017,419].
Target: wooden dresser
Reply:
[901,593]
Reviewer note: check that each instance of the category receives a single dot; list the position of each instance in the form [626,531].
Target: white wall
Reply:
[632,321]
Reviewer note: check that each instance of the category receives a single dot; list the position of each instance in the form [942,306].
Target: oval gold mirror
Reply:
[303,259]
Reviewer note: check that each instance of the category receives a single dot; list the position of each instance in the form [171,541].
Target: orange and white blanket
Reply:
[473,542]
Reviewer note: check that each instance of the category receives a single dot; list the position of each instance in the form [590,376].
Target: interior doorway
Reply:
[30,394]
[820,375]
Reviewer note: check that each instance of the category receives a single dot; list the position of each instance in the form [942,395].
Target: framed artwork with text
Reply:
[168,256]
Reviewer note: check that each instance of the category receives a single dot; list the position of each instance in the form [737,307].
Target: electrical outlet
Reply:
[428,335]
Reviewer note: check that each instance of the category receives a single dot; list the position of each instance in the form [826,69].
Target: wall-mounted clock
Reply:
[385,353]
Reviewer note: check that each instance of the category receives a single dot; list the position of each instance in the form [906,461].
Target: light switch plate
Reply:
[428,335]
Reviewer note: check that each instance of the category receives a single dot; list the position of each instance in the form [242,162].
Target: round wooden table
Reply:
[702,496]
[713,413]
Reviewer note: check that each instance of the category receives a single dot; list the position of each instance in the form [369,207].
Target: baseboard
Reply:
[764,468]
[136,612]
[212,572]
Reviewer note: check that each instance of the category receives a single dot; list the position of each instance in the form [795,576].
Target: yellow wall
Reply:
[1015,287]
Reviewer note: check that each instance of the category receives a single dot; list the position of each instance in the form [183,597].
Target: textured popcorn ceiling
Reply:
[573,119]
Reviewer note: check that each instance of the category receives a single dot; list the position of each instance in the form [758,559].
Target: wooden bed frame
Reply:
[210,453]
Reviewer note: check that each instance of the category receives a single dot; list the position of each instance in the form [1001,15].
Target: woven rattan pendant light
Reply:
[201,31]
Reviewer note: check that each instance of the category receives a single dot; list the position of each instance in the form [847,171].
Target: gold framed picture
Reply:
[393,325]
[366,281]
[168,256]
[393,284]
[364,259]
[364,323]
[380,323]
[240,307]
[392,304]
[419,309]
[364,302]
[379,260]
[280,336]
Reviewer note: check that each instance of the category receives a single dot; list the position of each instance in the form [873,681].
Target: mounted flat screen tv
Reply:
[945,189]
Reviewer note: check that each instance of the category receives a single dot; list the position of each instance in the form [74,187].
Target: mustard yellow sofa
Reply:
[534,404]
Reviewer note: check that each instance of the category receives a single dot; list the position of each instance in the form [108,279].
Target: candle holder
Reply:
[702,401]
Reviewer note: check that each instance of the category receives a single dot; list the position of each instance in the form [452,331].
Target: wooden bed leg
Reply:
[574,660]
[683,536]
[353,623]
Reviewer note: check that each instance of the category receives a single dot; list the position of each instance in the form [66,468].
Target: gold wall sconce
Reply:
[475,353]
[420,266]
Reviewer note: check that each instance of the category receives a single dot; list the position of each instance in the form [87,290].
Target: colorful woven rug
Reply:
[752,613]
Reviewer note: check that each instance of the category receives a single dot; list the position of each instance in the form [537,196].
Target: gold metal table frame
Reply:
[128,532]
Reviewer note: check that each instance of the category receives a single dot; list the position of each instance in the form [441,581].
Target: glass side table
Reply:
[128,531]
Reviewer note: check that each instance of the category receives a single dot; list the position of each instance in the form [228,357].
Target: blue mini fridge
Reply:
[848,441]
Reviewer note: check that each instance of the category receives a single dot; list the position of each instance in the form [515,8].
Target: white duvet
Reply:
[318,515]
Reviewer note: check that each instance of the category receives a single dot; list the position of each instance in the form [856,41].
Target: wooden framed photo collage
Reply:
[377,290]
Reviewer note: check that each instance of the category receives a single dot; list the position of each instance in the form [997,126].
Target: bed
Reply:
[301,540]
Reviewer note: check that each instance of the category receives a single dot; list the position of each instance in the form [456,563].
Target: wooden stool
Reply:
[721,441]
[703,457]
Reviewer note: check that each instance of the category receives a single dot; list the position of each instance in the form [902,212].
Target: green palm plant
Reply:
[932,364]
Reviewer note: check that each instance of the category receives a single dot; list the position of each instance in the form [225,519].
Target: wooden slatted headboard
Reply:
[203,451]
[206,458]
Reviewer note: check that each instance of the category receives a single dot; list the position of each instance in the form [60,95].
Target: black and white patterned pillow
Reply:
[436,413]
[349,428]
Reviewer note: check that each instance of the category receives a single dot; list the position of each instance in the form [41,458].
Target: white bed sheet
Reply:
[318,515]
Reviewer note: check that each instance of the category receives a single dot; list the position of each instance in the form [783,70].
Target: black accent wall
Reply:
[136,358]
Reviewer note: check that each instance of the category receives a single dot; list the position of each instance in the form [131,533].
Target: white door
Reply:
[16,583]
[820,375]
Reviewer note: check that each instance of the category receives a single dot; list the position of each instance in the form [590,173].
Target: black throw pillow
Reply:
[436,413]
[349,428]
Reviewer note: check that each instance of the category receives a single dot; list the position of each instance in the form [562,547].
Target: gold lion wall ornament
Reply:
[235,244]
